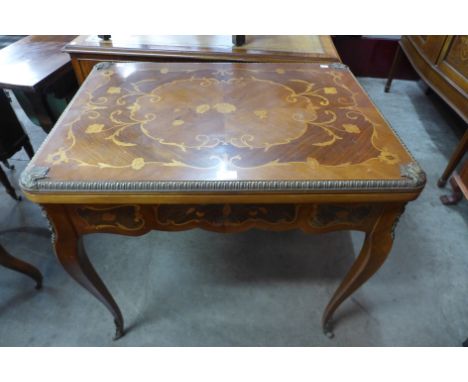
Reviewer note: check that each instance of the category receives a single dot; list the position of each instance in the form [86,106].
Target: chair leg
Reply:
[18,265]
[42,110]
[9,188]
[396,61]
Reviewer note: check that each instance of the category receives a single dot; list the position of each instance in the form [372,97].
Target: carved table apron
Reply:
[222,147]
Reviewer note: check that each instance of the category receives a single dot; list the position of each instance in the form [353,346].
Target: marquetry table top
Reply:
[215,127]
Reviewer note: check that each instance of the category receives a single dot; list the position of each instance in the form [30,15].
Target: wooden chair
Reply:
[12,139]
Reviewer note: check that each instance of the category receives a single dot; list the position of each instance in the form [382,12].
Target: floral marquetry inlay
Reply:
[125,217]
[224,215]
[223,121]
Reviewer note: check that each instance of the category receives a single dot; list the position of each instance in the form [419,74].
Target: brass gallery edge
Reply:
[35,179]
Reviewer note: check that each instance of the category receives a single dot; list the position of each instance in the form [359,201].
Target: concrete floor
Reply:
[257,288]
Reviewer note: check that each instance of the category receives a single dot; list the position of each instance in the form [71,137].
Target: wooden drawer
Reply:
[82,68]
[454,61]
[429,46]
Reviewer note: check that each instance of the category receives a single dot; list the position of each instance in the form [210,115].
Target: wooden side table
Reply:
[34,68]
[86,51]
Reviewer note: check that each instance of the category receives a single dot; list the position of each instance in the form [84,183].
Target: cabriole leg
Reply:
[376,247]
[70,251]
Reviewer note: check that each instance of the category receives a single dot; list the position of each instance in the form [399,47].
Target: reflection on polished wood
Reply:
[223,147]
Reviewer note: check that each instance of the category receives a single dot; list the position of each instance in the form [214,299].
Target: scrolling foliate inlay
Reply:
[329,215]
[200,119]
[126,218]
[225,214]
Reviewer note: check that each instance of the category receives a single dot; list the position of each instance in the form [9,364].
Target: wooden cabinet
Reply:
[442,62]
[429,46]
[453,61]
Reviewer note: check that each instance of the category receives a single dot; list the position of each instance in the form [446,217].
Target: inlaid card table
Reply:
[223,147]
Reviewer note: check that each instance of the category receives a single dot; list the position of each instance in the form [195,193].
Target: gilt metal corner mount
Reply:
[31,175]
[414,172]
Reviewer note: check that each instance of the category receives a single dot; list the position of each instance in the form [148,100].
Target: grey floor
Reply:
[257,288]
